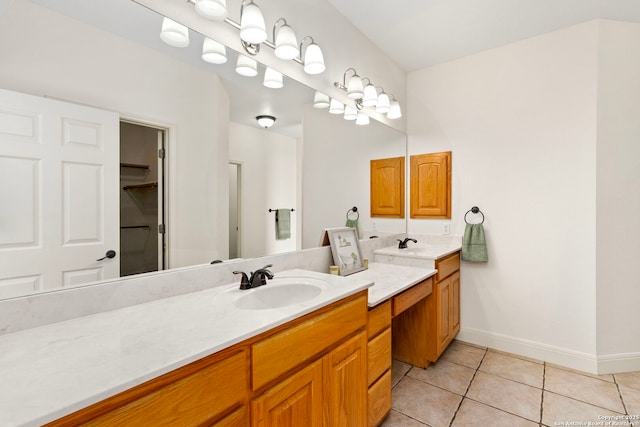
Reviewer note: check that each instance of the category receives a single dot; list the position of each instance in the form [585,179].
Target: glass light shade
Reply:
[174,34]
[394,110]
[313,60]
[354,87]
[383,103]
[266,121]
[320,100]
[246,66]
[370,96]
[362,119]
[252,26]
[336,107]
[213,52]
[286,43]
[272,79]
[350,113]
[212,9]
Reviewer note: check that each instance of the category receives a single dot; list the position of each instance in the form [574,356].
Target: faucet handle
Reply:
[244,281]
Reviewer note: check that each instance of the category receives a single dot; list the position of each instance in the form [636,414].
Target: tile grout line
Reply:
[464,396]
[544,374]
[624,406]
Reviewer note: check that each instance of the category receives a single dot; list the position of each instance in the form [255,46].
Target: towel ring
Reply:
[354,210]
[474,210]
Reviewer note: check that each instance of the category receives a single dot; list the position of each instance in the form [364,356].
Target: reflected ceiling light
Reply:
[394,110]
[212,9]
[320,100]
[265,121]
[362,119]
[284,39]
[336,107]
[272,79]
[246,66]
[369,95]
[312,59]
[384,104]
[174,34]
[350,113]
[213,52]
[252,26]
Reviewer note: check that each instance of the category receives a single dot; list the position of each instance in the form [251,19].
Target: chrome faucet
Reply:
[258,277]
[403,243]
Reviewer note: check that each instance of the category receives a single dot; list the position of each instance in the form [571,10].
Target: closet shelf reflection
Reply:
[146,185]
[134,166]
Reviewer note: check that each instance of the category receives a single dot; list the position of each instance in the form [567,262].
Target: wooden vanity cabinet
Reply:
[379,363]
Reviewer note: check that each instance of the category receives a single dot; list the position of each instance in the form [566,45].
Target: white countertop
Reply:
[391,279]
[54,370]
[430,251]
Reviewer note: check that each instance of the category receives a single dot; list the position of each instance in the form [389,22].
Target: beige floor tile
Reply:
[398,370]
[472,413]
[512,368]
[557,408]
[604,377]
[629,379]
[424,402]
[581,387]
[470,344]
[463,354]
[396,419]
[631,398]
[446,375]
[510,396]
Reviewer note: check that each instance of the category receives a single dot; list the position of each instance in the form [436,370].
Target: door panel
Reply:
[58,193]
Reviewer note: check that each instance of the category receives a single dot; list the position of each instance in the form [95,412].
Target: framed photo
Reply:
[345,248]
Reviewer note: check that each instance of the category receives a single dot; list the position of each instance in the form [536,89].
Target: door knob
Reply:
[110,254]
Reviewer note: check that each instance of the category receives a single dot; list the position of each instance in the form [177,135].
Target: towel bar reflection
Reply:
[474,210]
[354,210]
[273,210]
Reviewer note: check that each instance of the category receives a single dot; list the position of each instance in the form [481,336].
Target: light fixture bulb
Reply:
[362,119]
[212,9]
[354,87]
[246,66]
[320,100]
[213,52]
[336,107]
[272,79]
[286,43]
[252,26]
[350,113]
[313,60]
[266,121]
[394,110]
[370,96]
[174,34]
[383,103]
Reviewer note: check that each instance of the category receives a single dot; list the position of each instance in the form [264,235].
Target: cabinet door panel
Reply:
[444,318]
[345,384]
[387,188]
[430,184]
[297,401]
[455,303]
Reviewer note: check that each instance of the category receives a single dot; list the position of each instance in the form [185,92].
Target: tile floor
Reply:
[475,386]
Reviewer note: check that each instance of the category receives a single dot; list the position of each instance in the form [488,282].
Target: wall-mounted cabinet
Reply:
[430,182]
[387,187]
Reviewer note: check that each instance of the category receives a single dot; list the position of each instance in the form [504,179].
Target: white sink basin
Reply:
[281,292]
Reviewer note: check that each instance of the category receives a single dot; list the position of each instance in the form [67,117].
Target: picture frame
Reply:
[345,249]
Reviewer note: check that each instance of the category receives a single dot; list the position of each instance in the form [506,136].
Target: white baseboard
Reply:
[585,362]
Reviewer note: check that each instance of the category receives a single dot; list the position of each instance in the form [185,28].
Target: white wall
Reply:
[268,180]
[47,54]
[618,197]
[521,123]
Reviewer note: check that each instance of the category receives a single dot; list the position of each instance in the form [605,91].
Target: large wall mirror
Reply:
[222,174]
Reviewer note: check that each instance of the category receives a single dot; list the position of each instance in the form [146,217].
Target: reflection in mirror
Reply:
[108,55]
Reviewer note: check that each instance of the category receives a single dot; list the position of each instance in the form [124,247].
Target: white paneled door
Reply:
[59,198]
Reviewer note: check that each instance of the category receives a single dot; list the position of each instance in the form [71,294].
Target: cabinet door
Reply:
[294,402]
[444,314]
[455,303]
[387,188]
[430,183]
[345,384]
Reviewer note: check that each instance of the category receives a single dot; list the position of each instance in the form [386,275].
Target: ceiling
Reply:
[421,33]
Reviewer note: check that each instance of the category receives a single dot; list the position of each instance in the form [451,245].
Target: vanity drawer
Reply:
[446,266]
[379,318]
[379,400]
[279,353]
[379,355]
[411,296]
